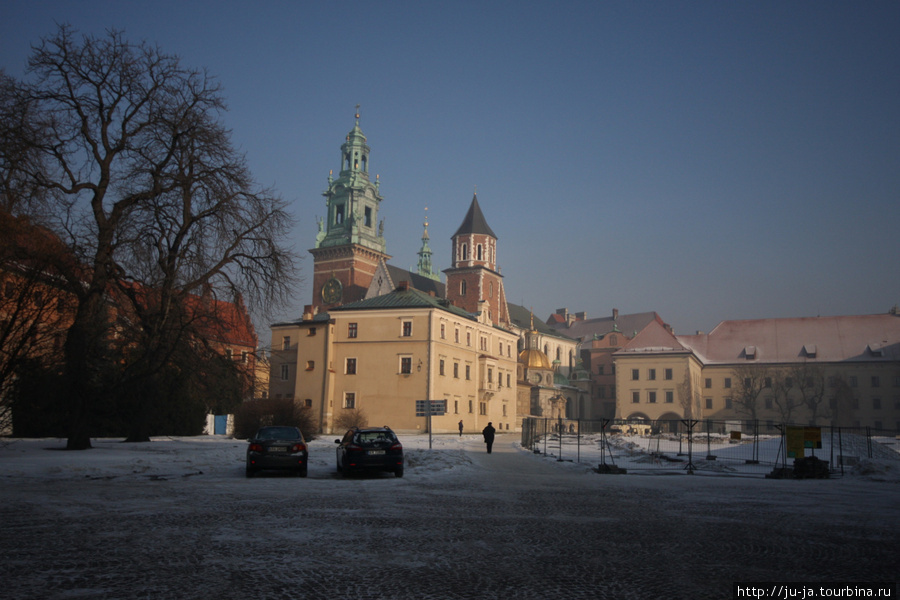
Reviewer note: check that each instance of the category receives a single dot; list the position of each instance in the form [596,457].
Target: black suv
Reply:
[370,449]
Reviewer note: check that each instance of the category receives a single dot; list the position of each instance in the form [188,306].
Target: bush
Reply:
[349,419]
[253,414]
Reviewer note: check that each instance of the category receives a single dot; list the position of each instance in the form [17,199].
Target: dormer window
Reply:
[876,349]
[809,350]
[750,352]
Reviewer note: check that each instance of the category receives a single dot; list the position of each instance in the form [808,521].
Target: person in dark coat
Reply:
[460,427]
[488,433]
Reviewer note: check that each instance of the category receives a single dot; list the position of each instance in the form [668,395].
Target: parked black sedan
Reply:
[370,449]
[277,448]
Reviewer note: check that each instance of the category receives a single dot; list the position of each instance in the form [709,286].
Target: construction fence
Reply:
[753,448]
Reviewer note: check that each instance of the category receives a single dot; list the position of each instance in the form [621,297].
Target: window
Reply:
[670,397]
[482,407]
[285,372]
[876,403]
[728,383]
[465,255]
[709,403]
[311,332]
[229,354]
[876,381]
[635,374]
[443,331]
[368,221]
[468,338]
[349,399]
[651,397]
[308,403]
[767,382]
[351,366]
[478,251]
[244,356]
[468,372]
[599,369]
[707,383]
[310,365]
[407,328]
[456,370]
[490,375]
[668,374]
[456,407]
[728,402]
[768,403]
[462,287]
[441,366]
[286,342]
[507,380]
[651,374]
[853,381]
[456,336]
[470,407]
[352,330]
[406,364]
[635,397]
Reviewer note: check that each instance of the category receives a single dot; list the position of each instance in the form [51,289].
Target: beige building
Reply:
[821,370]
[382,355]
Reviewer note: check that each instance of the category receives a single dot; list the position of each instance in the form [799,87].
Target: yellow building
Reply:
[382,355]
[841,371]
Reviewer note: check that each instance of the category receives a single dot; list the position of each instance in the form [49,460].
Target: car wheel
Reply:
[398,471]
[302,472]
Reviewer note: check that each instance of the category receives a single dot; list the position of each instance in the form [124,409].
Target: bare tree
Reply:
[149,194]
[783,386]
[809,385]
[751,380]
[689,397]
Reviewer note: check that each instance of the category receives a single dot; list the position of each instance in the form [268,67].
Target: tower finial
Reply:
[357,114]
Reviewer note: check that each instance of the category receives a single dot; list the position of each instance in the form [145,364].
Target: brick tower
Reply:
[474,282]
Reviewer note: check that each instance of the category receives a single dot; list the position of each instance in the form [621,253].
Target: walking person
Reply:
[488,433]
[460,428]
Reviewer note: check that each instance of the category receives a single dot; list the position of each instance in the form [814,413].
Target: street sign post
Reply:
[426,408]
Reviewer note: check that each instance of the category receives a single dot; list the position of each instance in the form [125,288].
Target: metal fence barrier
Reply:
[706,446]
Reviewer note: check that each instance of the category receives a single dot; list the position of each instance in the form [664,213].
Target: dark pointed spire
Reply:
[475,221]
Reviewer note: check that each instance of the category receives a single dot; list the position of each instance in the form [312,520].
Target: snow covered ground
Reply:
[223,457]
[176,518]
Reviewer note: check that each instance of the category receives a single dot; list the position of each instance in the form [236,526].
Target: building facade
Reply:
[382,355]
[841,371]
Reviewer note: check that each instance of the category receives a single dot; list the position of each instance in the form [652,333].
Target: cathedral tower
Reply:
[349,245]
[473,282]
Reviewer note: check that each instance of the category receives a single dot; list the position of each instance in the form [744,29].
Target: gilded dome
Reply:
[534,359]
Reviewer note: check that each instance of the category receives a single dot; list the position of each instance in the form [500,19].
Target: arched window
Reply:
[462,287]
[464,252]
[478,256]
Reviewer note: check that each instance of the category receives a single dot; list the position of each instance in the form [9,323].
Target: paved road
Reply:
[514,526]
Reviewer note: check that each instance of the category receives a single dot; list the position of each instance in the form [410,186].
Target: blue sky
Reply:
[705,160]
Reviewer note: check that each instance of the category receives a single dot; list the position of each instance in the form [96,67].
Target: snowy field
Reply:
[718,454]
[216,457]
[177,519]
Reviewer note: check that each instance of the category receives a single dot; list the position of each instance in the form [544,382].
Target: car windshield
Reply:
[370,437]
[277,433]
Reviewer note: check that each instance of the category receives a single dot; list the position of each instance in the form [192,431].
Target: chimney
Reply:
[615,314]
[403,287]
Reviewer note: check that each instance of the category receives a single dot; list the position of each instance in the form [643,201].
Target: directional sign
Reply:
[438,408]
